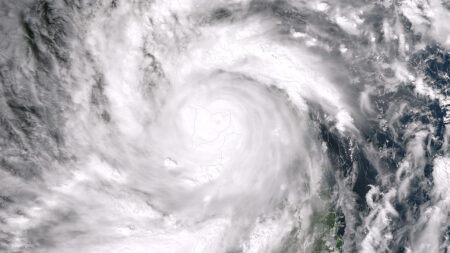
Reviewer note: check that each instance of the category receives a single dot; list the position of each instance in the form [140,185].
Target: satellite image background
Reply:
[224,126]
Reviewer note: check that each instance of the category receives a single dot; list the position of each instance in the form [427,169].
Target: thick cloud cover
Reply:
[224,126]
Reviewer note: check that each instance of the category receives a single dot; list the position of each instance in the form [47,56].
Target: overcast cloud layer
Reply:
[224,126]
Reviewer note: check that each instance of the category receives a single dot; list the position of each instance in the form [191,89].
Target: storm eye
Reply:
[228,134]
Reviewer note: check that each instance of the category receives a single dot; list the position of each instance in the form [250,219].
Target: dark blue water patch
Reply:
[384,139]
[338,150]
[424,119]
[438,113]
[340,222]
[387,163]
[418,109]
[434,62]
[436,110]
[402,210]
[400,249]
[401,226]
[366,176]
[344,156]
[419,194]
[428,113]
[428,171]
[407,118]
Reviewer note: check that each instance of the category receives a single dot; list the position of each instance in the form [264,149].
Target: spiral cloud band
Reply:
[224,126]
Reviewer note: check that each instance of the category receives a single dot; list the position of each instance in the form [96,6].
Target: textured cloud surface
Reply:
[224,126]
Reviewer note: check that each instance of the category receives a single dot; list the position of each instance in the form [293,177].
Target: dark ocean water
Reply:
[224,126]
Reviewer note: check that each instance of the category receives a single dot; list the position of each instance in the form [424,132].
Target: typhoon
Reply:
[150,126]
